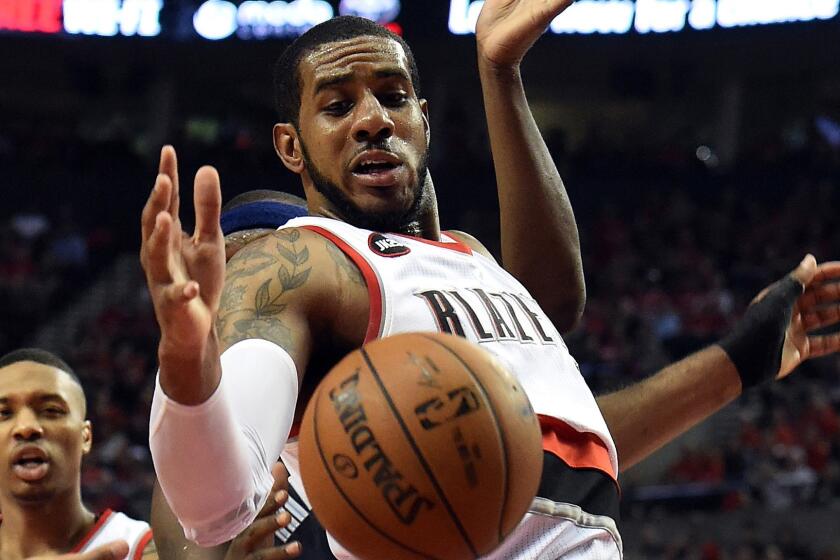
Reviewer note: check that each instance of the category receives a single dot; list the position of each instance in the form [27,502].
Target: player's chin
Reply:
[393,200]
[29,493]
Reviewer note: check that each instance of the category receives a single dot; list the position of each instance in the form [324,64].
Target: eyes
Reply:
[49,412]
[391,100]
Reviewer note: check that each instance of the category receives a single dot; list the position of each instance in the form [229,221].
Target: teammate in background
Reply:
[375,263]
[44,435]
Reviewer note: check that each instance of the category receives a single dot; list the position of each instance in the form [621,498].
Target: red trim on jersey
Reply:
[295,430]
[93,530]
[579,450]
[141,544]
[372,281]
[455,245]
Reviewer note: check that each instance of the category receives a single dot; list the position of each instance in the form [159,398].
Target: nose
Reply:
[372,120]
[27,427]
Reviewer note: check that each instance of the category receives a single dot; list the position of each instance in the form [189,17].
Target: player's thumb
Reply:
[116,550]
[806,270]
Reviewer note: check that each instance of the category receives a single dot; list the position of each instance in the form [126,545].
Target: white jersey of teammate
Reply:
[420,285]
[113,526]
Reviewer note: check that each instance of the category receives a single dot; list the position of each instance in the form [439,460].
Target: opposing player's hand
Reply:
[817,308]
[257,541]
[506,29]
[116,550]
[184,273]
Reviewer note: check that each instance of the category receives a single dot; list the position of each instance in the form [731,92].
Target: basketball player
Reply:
[44,435]
[373,262]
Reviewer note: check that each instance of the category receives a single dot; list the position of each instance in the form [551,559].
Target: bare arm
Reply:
[647,415]
[539,235]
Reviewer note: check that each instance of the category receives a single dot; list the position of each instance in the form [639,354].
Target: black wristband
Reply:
[755,344]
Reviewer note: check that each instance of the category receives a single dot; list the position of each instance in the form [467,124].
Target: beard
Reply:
[395,221]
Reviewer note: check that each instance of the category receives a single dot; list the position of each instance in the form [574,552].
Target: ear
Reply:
[424,107]
[87,437]
[287,146]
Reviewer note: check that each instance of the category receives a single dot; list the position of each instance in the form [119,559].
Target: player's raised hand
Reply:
[776,333]
[506,29]
[184,273]
[116,550]
[817,308]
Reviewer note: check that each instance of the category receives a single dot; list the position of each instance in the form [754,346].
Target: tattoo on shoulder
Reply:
[342,262]
[258,318]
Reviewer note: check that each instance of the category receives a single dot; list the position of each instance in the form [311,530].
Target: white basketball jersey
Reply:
[420,285]
[114,526]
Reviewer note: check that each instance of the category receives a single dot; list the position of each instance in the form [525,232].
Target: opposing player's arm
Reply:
[771,340]
[539,236]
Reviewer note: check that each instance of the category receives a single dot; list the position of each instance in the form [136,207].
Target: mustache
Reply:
[382,145]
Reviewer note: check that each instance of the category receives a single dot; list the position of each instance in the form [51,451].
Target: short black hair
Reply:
[263,195]
[286,69]
[39,356]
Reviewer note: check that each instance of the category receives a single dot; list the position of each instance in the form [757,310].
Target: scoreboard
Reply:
[247,20]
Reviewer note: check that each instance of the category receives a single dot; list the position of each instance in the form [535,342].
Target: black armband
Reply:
[755,344]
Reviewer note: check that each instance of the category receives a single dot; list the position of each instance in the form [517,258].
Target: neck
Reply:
[33,529]
[426,224]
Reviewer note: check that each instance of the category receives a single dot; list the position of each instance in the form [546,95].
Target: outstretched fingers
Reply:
[169,167]
[807,269]
[822,345]
[157,202]
[277,553]
[251,541]
[820,294]
[208,204]
[821,317]
[157,250]
[828,272]
[820,304]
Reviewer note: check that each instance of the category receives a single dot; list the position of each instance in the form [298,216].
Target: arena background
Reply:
[701,153]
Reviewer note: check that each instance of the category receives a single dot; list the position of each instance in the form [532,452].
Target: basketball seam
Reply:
[423,463]
[341,491]
[505,493]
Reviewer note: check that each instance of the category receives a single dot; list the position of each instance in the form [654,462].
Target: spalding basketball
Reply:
[420,446]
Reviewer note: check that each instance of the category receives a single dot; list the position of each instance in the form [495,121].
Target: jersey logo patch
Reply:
[386,246]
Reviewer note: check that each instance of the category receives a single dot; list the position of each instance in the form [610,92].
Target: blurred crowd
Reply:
[674,249]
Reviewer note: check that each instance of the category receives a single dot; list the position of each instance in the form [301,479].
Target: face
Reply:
[43,432]
[362,141]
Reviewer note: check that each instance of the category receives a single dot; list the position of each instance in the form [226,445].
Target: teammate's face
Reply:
[362,142]
[43,432]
